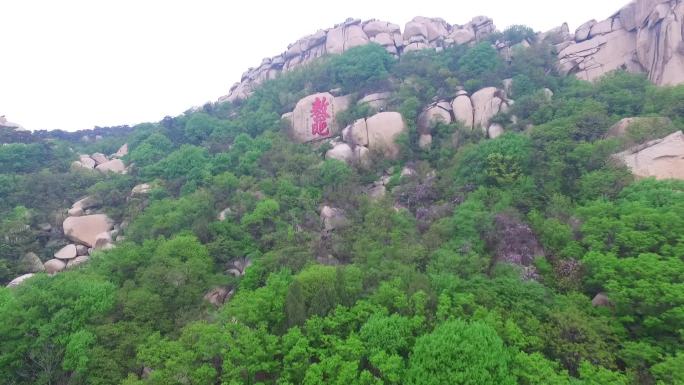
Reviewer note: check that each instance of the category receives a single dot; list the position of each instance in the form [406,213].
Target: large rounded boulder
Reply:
[314,117]
[383,130]
[85,229]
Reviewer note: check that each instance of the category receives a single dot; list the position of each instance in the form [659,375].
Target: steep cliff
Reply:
[644,36]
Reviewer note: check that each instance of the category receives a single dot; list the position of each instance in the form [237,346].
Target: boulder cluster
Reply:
[355,142]
[314,119]
[476,110]
[88,231]
[86,228]
[103,163]
[419,33]
[645,36]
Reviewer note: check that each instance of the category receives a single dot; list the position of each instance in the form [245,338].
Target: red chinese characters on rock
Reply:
[319,113]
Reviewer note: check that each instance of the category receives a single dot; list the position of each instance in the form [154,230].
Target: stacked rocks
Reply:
[103,163]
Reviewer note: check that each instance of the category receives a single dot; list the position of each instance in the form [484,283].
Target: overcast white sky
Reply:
[73,64]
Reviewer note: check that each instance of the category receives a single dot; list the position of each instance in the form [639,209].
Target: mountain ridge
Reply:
[622,41]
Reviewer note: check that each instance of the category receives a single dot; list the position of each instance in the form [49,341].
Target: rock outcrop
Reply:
[471,111]
[645,36]
[114,165]
[515,243]
[419,33]
[622,128]
[218,296]
[103,163]
[660,158]
[239,266]
[332,218]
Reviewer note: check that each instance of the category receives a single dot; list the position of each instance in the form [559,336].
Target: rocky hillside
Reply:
[449,204]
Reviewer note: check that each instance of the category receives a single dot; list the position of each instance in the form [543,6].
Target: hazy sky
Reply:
[72,64]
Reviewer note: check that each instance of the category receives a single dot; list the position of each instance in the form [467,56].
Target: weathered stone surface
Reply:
[81,259]
[86,203]
[54,266]
[239,266]
[424,141]
[384,39]
[122,151]
[462,107]
[414,28]
[99,158]
[431,116]
[219,295]
[224,214]
[87,161]
[423,33]
[495,130]
[417,46]
[557,35]
[383,130]
[362,156]
[19,280]
[67,252]
[435,28]
[81,250]
[377,101]
[377,27]
[342,152]
[77,165]
[84,230]
[343,37]
[601,300]
[462,36]
[358,133]
[661,158]
[304,128]
[30,263]
[332,218]
[601,28]
[621,128]
[141,189]
[486,103]
[75,212]
[114,165]
[582,32]
[646,36]
[103,241]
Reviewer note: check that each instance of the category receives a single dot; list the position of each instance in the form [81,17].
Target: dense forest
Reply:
[419,286]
